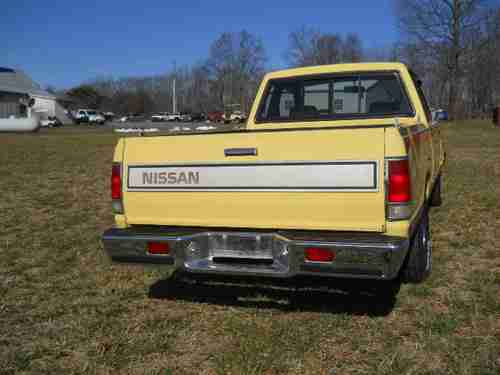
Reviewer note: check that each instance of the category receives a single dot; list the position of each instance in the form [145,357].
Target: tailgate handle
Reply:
[240,152]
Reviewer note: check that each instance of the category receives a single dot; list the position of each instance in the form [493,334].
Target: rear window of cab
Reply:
[317,98]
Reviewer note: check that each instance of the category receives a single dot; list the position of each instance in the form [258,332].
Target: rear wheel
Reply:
[418,264]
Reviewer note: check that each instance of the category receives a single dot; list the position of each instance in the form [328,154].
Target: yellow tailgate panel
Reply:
[322,210]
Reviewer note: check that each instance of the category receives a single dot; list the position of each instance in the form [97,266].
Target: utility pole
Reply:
[174,94]
[153,92]
[174,99]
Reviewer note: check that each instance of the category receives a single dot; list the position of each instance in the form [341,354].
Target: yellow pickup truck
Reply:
[332,176]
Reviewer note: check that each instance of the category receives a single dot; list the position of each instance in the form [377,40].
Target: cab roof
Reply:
[337,68]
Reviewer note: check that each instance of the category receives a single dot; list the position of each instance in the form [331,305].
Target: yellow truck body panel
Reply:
[349,211]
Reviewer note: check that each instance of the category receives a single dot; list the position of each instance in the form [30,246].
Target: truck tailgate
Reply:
[324,179]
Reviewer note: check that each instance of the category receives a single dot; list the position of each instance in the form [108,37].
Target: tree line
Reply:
[229,75]
[453,46]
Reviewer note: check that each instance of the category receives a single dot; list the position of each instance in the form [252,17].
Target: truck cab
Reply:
[333,176]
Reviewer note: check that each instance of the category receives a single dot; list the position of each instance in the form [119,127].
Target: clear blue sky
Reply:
[63,43]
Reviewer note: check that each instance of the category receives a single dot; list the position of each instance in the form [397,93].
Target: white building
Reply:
[17,89]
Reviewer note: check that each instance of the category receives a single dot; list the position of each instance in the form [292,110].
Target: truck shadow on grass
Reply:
[334,296]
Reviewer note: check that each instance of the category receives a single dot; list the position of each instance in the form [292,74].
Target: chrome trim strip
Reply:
[253,162]
[294,128]
[403,157]
[324,186]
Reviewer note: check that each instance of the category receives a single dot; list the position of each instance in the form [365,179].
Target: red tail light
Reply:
[158,248]
[116,181]
[399,181]
[319,254]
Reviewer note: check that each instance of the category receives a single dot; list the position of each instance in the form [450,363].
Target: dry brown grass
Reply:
[65,309]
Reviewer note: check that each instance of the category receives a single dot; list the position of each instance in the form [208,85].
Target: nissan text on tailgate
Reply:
[333,176]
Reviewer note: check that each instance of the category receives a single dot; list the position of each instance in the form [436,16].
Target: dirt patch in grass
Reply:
[65,309]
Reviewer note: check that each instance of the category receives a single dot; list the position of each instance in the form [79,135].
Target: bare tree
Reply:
[352,49]
[230,74]
[309,46]
[442,29]
[326,49]
[300,51]
[482,67]
[235,65]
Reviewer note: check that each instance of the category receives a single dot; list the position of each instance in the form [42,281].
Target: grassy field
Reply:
[65,309]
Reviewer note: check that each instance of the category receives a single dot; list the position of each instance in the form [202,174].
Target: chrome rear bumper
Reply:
[259,253]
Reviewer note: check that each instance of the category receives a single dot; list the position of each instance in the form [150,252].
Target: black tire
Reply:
[436,197]
[418,264]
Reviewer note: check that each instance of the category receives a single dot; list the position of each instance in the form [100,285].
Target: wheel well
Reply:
[428,188]
[413,232]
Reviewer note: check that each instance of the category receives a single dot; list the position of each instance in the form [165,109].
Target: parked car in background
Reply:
[109,116]
[89,116]
[186,117]
[235,117]
[137,117]
[198,117]
[215,116]
[160,117]
[174,117]
[123,119]
[50,122]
